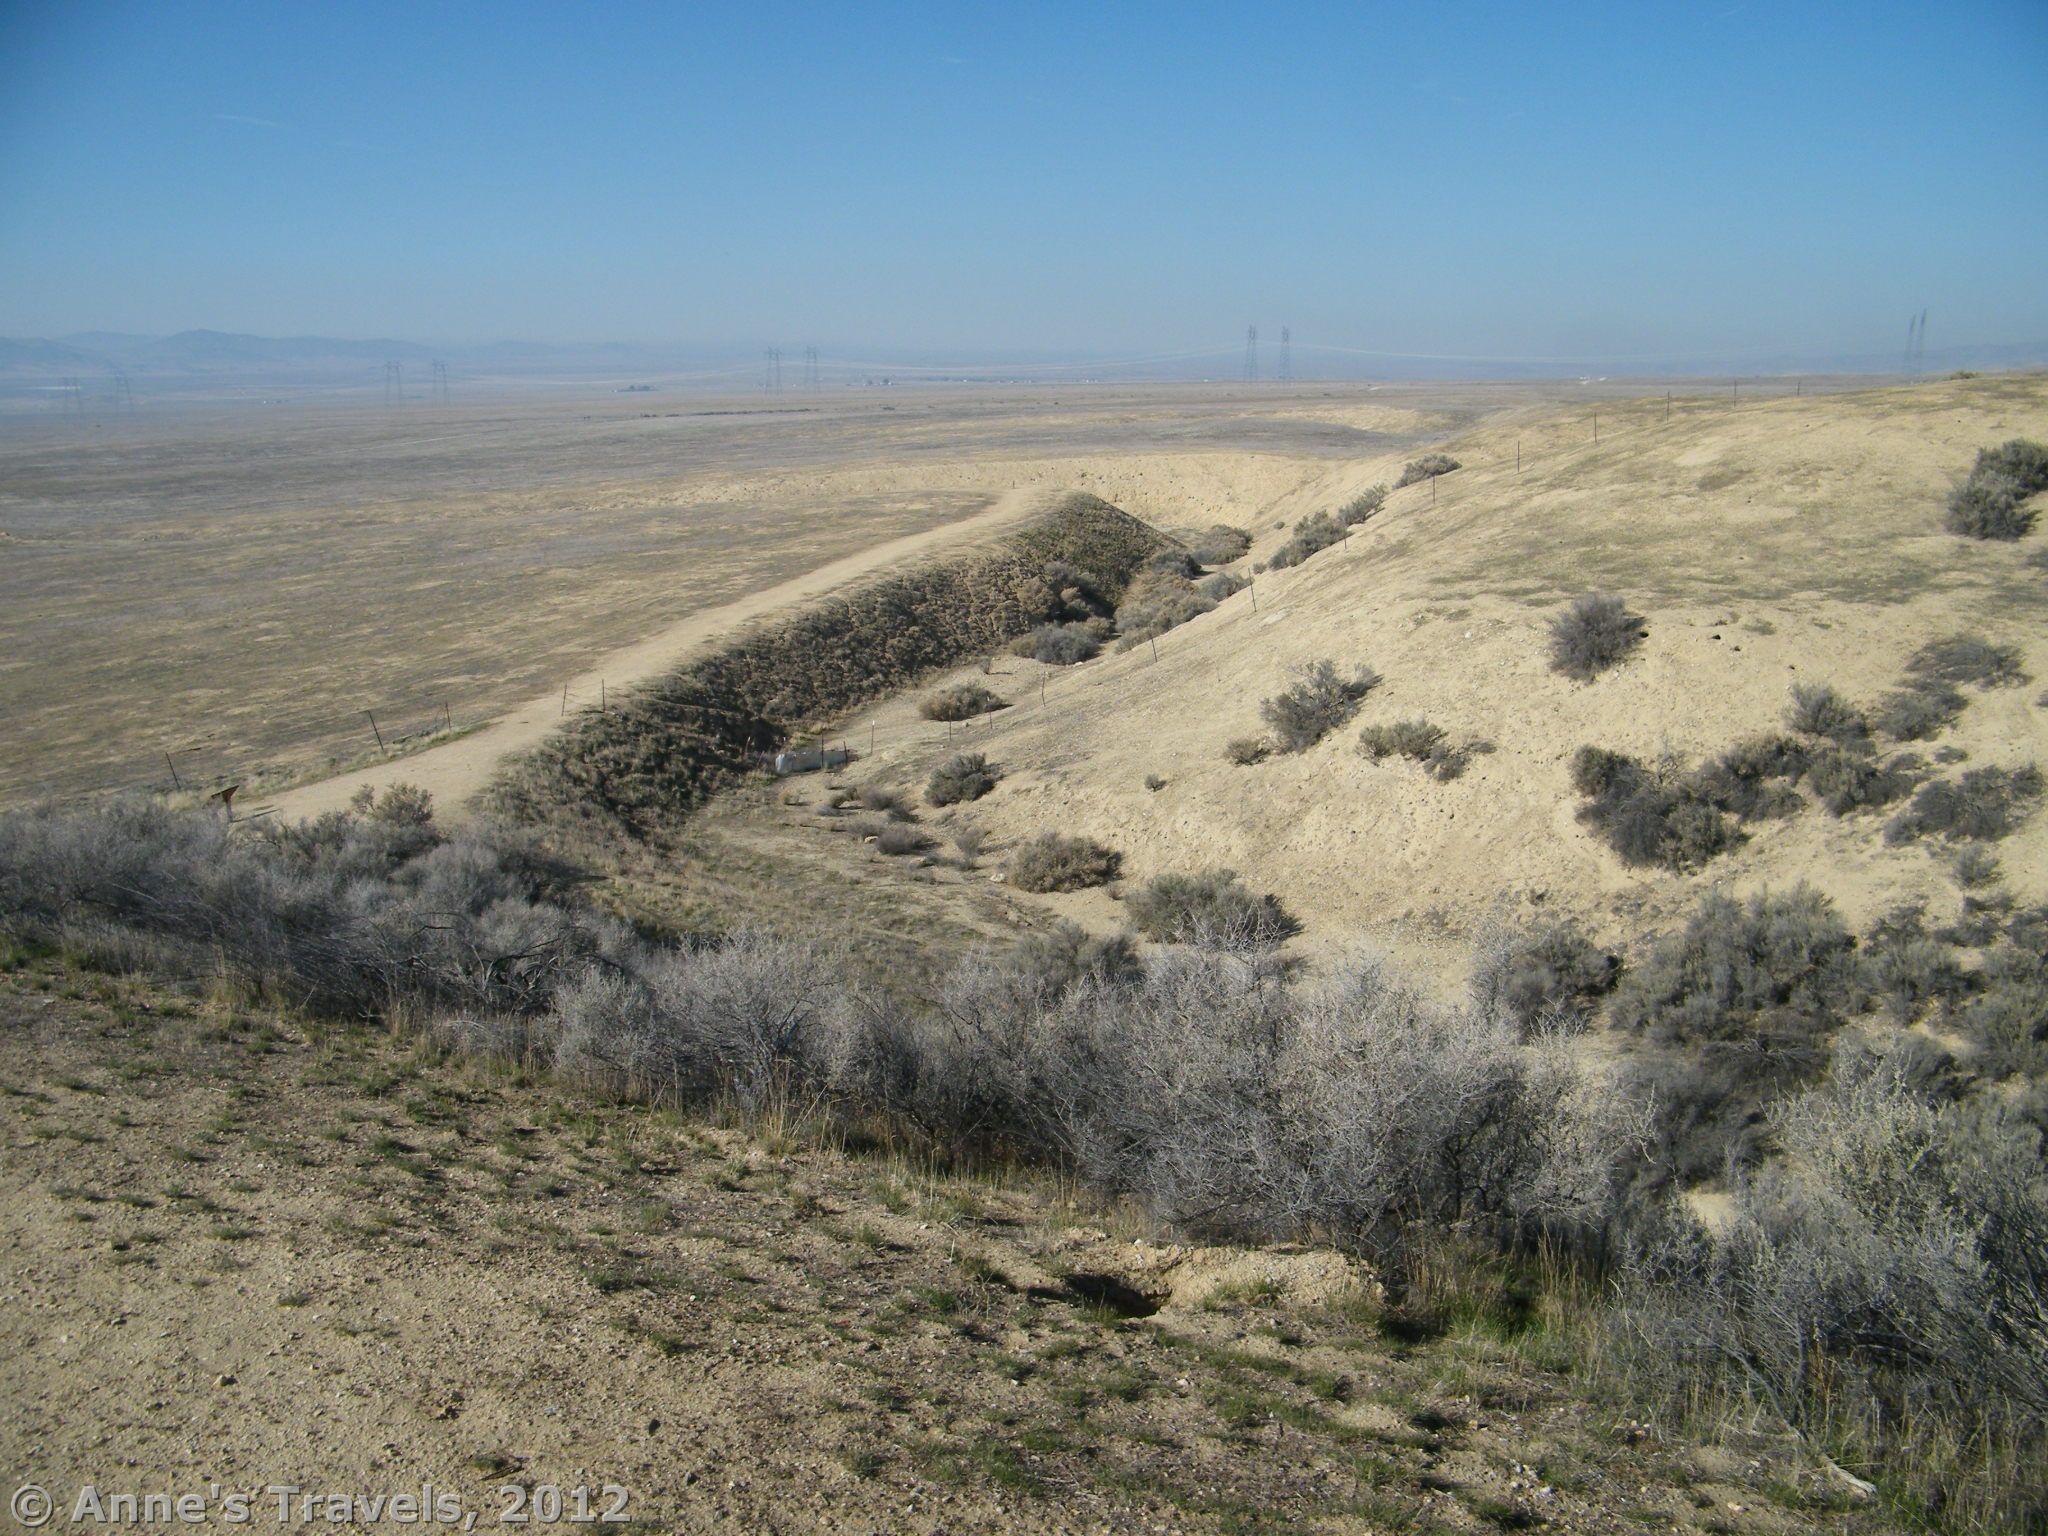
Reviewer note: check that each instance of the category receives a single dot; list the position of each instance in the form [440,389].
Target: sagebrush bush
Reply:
[1172,562]
[1362,507]
[1545,973]
[1246,750]
[1318,701]
[1879,1287]
[1990,504]
[1976,867]
[1213,909]
[1052,862]
[1850,779]
[1596,632]
[2026,462]
[1221,585]
[886,802]
[1651,815]
[1428,467]
[1222,544]
[1060,645]
[1777,969]
[962,777]
[1980,805]
[1922,710]
[1418,739]
[1968,659]
[898,840]
[1429,745]
[1753,780]
[962,701]
[1311,535]
[1818,710]
[1157,601]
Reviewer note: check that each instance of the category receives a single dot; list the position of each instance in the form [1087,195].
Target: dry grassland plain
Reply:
[236,586]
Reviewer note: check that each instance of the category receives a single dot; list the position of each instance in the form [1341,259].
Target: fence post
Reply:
[448,714]
[374,731]
[176,782]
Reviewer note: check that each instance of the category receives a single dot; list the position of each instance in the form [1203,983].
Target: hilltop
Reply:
[1765,544]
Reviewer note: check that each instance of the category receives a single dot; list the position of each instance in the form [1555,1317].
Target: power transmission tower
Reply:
[394,383]
[1920,345]
[771,379]
[1251,354]
[124,395]
[1286,355]
[810,367]
[441,382]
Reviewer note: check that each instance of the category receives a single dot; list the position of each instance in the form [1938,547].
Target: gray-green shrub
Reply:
[962,701]
[962,777]
[1052,862]
[1596,632]
[1213,909]
[1318,701]
[1311,536]
[1980,805]
[1428,467]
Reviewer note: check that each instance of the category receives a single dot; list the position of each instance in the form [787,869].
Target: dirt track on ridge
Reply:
[454,772]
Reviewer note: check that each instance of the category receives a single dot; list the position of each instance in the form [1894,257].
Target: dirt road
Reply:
[455,771]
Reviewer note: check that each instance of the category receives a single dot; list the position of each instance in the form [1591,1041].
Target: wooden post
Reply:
[1041,690]
[602,698]
[448,714]
[1432,490]
[565,698]
[374,731]
[1155,646]
[176,782]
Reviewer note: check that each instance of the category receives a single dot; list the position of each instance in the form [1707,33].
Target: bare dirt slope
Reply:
[1766,544]
[240,1253]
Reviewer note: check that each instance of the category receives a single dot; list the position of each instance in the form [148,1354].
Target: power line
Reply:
[1251,354]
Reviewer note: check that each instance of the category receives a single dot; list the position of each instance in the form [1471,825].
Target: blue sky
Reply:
[1462,179]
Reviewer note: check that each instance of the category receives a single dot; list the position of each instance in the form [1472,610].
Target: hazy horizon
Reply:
[1476,186]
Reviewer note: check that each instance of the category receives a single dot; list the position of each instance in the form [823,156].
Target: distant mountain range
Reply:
[197,359]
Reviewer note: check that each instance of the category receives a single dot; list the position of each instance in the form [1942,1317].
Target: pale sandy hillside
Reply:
[1766,544]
